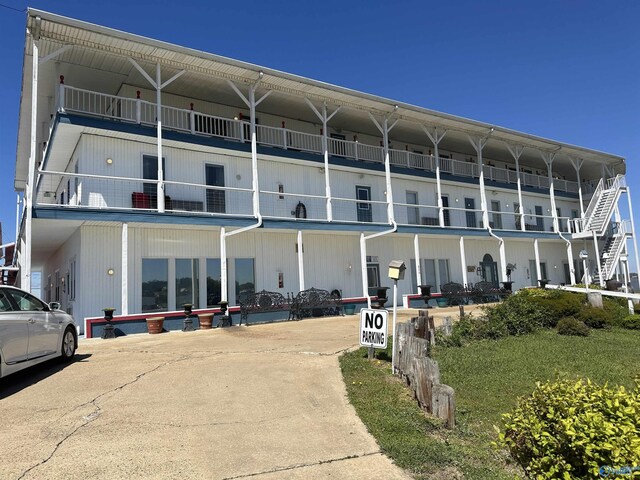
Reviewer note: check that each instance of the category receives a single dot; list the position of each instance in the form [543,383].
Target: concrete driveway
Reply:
[265,402]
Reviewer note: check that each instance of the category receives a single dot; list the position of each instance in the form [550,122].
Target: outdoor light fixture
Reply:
[109,161]
[110,272]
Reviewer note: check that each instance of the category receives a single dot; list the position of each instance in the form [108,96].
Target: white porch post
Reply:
[577,165]
[597,250]
[436,138]
[516,153]
[363,268]
[300,261]
[25,271]
[416,251]
[124,267]
[158,85]
[385,129]
[536,252]
[548,158]
[463,261]
[478,144]
[223,265]
[633,231]
[325,149]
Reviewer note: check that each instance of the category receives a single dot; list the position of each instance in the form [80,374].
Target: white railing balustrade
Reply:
[297,206]
[413,214]
[140,111]
[363,211]
[87,191]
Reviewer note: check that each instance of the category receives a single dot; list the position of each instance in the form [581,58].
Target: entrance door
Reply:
[364,209]
[445,211]
[216,202]
[497,216]
[489,270]
[470,205]
[533,273]
[339,149]
[539,219]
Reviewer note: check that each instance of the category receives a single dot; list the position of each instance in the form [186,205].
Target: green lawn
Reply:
[487,376]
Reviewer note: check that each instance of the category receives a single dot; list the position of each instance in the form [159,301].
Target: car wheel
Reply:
[68,345]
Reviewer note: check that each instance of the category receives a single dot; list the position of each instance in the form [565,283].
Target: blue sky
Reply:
[566,70]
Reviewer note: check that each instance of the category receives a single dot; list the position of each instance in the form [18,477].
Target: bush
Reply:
[571,326]
[595,317]
[568,429]
[519,314]
[559,304]
[617,308]
[632,322]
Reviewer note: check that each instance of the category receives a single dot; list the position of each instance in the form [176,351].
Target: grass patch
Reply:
[488,376]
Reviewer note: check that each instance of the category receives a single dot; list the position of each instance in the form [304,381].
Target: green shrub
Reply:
[570,430]
[632,322]
[571,326]
[617,308]
[594,317]
[559,304]
[518,314]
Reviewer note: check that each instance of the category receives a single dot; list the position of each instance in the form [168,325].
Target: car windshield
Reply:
[27,302]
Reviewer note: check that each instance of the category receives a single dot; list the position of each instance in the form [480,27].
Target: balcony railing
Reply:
[76,191]
[134,110]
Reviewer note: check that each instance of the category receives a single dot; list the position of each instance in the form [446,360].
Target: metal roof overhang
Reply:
[108,50]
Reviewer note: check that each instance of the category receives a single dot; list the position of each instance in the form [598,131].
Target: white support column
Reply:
[597,250]
[633,231]
[416,251]
[223,265]
[478,144]
[516,153]
[463,261]
[363,267]
[300,262]
[124,267]
[25,271]
[160,189]
[436,138]
[548,158]
[536,252]
[325,149]
[577,165]
[385,129]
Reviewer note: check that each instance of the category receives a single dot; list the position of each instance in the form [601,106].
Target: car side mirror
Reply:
[54,306]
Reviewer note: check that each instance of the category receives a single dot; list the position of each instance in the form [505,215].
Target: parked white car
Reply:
[32,332]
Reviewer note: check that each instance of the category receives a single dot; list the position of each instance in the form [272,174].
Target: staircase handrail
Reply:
[594,201]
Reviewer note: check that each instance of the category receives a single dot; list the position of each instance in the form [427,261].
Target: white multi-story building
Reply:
[155,175]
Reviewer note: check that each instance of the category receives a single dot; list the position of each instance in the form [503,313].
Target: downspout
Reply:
[503,256]
[572,272]
[223,254]
[363,257]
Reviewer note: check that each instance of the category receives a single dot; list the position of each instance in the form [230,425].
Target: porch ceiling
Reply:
[96,49]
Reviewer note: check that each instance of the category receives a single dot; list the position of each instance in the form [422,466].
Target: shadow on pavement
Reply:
[32,375]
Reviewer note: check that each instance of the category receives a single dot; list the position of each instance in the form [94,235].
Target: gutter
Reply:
[503,259]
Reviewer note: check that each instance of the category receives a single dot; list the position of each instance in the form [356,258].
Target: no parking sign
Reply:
[373,328]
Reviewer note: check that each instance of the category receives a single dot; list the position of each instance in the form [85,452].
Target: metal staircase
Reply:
[612,250]
[598,214]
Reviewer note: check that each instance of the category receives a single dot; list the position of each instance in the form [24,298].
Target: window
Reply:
[187,282]
[155,282]
[516,210]
[245,277]
[214,290]
[72,279]
[56,297]
[26,302]
[430,274]
[5,303]
[539,219]
[413,213]
[364,209]
[445,211]
[443,270]
[36,283]
[575,214]
[373,274]
[216,201]
[48,289]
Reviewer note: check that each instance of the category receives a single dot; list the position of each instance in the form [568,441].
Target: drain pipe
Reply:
[363,257]
[503,256]
[572,271]
[223,253]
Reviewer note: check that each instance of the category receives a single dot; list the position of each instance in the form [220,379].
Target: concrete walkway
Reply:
[264,402]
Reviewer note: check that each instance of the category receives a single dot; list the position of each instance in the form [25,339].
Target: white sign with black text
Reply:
[373,328]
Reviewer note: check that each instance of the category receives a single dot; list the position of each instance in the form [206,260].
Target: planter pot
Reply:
[349,309]
[155,324]
[442,302]
[206,321]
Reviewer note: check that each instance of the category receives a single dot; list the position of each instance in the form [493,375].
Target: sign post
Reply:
[373,329]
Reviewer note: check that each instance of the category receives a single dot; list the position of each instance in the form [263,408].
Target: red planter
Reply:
[155,324]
